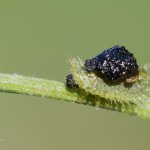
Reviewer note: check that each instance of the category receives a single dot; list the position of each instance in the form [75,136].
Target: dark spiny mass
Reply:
[114,64]
[71,82]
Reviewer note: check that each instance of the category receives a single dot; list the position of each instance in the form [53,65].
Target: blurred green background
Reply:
[36,39]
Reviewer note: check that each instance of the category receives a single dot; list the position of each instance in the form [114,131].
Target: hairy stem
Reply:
[14,83]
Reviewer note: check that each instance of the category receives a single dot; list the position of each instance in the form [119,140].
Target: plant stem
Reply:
[14,83]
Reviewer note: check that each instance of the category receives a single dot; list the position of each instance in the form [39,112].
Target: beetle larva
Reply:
[121,93]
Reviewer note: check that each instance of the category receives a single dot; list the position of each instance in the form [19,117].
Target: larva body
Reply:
[121,93]
[113,75]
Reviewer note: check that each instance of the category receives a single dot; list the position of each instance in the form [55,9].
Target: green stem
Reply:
[19,84]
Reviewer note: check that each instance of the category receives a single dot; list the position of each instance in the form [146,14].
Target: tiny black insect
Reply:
[71,82]
[114,64]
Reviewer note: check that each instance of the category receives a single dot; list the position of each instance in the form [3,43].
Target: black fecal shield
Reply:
[113,64]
